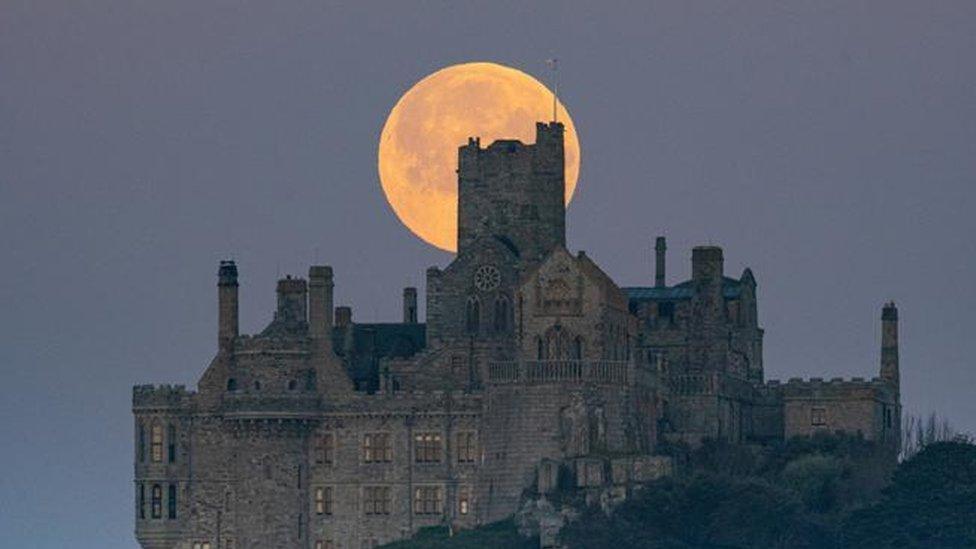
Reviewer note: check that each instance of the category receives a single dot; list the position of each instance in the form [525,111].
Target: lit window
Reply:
[325,449]
[324,500]
[376,500]
[325,544]
[818,416]
[156,443]
[427,448]
[171,502]
[427,500]
[157,501]
[467,447]
[377,448]
[464,500]
[201,545]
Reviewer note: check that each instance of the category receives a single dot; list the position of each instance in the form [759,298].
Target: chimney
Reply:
[343,317]
[660,247]
[889,344]
[227,317]
[706,264]
[320,302]
[292,296]
[410,305]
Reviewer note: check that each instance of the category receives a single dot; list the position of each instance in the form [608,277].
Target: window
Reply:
[156,443]
[377,448]
[257,385]
[578,348]
[201,545]
[292,384]
[501,323]
[376,500]
[171,444]
[141,502]
[325,451]
[818,416]
[473,315]
[229,544]
[231,384]
[540,349]
[171,502]
[464,500]
[467,447]
[157,501]
[141,449]
[427,448]
[324,500]
[370,543]
[325,544]
[427,500]
[665,312]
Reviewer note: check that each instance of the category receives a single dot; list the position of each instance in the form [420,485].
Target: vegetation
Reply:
[828,491]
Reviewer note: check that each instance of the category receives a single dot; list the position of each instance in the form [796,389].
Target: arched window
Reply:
[142,501]
[171,444]
[540,348]
[171,502]
[473,315]
[156,443]
[578,348]
[257,385]
[292,385]
[501,322]
[231,384]
[157,501]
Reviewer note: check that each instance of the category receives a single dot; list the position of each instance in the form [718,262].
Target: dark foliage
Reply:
[931,502]
[498,534]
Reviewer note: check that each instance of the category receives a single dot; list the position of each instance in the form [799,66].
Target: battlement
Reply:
[161,396]
[836,387]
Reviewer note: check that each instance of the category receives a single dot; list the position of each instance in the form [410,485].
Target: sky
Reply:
[830,146]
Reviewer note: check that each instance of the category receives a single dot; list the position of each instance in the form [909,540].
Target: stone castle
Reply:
[533,370]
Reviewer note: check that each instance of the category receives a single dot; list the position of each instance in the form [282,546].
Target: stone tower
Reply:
[515,192]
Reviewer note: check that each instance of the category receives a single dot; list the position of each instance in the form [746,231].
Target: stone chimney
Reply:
[227,307]
[343,317]
[706,264]
[660,247]
[320,287]
[889,344]
[292,297]
[410,305]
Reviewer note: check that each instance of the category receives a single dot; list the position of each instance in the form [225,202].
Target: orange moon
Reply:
[418,149]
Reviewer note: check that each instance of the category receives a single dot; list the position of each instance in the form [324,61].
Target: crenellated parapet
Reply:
[161,396]
[837,387]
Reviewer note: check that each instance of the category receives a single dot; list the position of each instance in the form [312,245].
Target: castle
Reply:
[533,369]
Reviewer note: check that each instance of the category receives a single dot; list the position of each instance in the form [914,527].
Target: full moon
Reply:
[418,149]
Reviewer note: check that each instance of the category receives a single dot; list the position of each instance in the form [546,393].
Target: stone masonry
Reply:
[533,369]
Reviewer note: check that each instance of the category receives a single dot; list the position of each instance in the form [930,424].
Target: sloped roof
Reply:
[731,289]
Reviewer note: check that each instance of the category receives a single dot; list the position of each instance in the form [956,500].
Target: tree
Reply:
[930,502]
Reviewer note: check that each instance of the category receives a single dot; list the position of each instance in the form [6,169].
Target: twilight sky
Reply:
[830,146]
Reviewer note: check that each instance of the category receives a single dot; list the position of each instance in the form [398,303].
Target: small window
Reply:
[665,312]
[141,450]
[467,447]
[141,502]
[156,443]
[473,315]
[464,500]
[377,448]
[427,500]
[428,448]
[324,500]
[157,501]
[171,502]
[231,384]
[171,444]
[257,385]
[578,348]
[325,450]
[201,545]
[818,416]
[376,500]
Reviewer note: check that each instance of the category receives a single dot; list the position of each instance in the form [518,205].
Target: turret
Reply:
[889,344]
[227,306]
[320,287]
[706,264]
[410,305]
[660,247]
